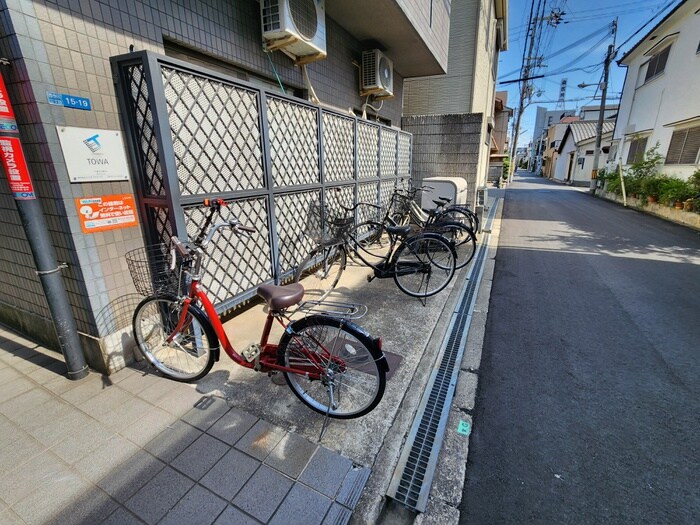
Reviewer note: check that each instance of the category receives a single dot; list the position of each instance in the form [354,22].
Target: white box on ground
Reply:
[453,188]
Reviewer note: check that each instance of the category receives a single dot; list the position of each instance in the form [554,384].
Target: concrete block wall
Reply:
[64,46]
[446,146]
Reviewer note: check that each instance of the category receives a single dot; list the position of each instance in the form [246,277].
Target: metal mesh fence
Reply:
[268,155]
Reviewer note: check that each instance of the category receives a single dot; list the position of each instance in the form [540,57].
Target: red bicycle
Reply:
[331,364]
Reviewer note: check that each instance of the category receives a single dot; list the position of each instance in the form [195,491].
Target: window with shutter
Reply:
[684,146]
[637,148]
[657,64]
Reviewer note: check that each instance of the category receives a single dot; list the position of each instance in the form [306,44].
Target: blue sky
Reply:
[584,32]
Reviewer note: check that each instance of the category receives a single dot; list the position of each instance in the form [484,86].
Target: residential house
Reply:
[499,137]
[660,102]
[451,116]
[554,135]
[218,58]
[593,112]
[543,120]
[577,150]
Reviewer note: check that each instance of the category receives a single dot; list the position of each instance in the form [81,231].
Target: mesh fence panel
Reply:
[220,144]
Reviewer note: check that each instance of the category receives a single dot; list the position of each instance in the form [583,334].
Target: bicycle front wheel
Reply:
[371,238]
[320,272]
[183,355]
[341,370]
[424,264]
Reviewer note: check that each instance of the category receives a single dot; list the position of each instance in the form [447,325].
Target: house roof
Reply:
[662,22]
[569,120]
[584,130]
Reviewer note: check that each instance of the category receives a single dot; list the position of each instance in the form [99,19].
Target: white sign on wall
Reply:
[93,155]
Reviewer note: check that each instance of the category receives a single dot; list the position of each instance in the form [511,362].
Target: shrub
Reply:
[673,190]
[652,185]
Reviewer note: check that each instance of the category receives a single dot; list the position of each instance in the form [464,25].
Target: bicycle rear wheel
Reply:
[343,370]
[185,356]
[460,214]
[320,272]
[463,239]
[424,264]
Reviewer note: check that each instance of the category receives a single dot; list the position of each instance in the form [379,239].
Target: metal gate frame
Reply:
[284,136]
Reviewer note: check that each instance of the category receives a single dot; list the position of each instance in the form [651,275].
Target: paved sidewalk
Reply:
[136,448]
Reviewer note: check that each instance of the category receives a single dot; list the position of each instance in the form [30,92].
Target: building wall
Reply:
[450,93]
[446,146]
[65,47]
[433,30]
[671,97]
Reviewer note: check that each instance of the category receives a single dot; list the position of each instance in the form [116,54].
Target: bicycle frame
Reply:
[266,361]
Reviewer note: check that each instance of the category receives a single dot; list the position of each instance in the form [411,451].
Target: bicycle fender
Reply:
[216,352]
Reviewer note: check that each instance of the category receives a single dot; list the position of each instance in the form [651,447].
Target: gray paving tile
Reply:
[263,493]
[125,414]
[52,494]
[24,402]
[82,441]
[352,487]
[143,430]
[60,385]
[206,412]
[122,516]
[8,517]
[302,506]
[291,455]
[173,440]
[55,431]
[47,413]
[14,387]
[122,482]
[198,506]
[86,389]
[49,372]
[19,451]
[106,458]
[337,515]
[232,426]
[231,472]
[197,459]
[34,475]
[91,506]
[234,516]
[159,495]
[326,472]
[260,440]
[8,374]
[139,381]
[10,432]
[181,400]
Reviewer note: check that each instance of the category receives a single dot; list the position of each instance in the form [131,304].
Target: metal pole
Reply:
[34,223]
[601,116]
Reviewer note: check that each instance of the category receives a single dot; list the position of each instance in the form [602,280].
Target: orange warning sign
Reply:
[108,212]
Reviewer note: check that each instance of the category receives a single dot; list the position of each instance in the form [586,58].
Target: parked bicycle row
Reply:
[330,363]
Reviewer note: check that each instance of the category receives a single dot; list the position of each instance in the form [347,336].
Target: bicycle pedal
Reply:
[251,352]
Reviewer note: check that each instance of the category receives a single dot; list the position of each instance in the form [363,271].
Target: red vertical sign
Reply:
[11,150]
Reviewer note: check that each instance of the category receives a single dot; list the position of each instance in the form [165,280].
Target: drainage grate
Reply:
[414,473]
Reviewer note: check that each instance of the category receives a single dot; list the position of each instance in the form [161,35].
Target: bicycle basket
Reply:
[322,229]
[150,269]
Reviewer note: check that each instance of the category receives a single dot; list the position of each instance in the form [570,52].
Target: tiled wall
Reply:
[64,47]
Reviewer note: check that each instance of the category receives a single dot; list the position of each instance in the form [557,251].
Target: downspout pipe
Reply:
[37,232]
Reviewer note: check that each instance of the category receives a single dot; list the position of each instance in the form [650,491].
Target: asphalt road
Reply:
[588,408]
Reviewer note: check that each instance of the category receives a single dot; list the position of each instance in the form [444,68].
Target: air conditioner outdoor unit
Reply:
[377,74]
[297,27]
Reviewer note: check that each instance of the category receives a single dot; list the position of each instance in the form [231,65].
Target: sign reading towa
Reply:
[93,155]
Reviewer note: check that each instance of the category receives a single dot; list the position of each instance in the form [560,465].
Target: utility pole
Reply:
[601,116]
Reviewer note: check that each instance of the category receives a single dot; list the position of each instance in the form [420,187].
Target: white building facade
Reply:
[660,99]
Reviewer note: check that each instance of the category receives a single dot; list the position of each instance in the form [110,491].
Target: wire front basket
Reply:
[323,229]
[153,271]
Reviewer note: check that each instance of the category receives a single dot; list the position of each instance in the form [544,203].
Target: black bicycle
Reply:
[421,263]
